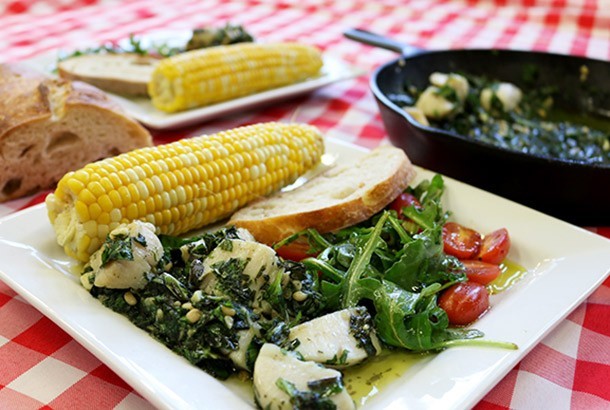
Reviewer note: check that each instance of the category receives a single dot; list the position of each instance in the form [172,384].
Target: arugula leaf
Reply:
[422,261]
[350,291]
[393,304]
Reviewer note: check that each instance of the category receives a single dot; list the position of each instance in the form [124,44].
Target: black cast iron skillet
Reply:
[573,191]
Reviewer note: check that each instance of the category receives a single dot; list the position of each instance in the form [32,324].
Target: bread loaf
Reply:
[343,196]
[123,73]
[49,127]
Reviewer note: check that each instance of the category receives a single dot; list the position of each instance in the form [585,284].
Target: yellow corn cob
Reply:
[214,74]
[180,186]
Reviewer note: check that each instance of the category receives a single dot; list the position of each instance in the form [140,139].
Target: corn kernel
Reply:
[95,210]
[105,202]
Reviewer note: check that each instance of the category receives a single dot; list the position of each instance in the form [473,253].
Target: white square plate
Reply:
[565,264]
[141,109]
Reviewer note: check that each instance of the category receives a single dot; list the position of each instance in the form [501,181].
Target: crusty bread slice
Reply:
[125,73]
[49,127]
[342,196]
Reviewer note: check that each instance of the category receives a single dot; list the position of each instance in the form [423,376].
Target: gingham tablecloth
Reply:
[43,367]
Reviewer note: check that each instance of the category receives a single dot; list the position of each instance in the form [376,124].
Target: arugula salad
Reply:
[232,306]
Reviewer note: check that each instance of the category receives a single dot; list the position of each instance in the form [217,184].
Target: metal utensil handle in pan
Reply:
[377,40]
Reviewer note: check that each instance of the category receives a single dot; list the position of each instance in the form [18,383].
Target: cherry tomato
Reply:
[495,246]
[481,272]
[404,200]
[294,251]
[461,242]
[464,302]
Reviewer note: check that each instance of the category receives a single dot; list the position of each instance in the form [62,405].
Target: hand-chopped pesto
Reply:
[118,248]
[532,127]
[361,324]
[207,328]
[232,281]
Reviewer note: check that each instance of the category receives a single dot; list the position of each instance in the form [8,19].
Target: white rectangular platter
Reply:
[565,264]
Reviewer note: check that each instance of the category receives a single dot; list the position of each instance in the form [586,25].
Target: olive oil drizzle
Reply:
[368,379]
[511,274]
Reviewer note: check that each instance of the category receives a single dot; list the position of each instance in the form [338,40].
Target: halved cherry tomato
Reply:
[464,302]
[294,251]
[495,246]
[403,200]
[481,272]
[461,242]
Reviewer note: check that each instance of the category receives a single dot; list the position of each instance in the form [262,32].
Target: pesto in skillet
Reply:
[533,127]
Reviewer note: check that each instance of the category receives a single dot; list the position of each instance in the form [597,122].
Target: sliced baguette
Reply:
[125,74]
[50,126]
[342,196]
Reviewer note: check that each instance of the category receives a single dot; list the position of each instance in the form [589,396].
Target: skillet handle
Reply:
[372,39]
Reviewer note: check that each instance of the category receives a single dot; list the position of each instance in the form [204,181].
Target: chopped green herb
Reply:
[361,326]
[340,360]
[117,248]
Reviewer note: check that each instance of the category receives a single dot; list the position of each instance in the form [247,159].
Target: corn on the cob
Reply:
[180,186]
[202,77]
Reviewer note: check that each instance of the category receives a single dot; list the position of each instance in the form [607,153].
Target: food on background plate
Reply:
[49,127]
[342,196]
[205,37]
[172,43]
[502,114]
[127,70]
[202,77]
[215,65]
[180,186]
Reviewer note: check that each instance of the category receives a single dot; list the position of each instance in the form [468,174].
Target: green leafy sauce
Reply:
[534,127]
[204,328]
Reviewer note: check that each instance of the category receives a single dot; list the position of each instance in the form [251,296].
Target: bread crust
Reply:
[272,229]
[51,126]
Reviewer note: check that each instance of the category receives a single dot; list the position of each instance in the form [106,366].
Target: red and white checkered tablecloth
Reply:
[43,367]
